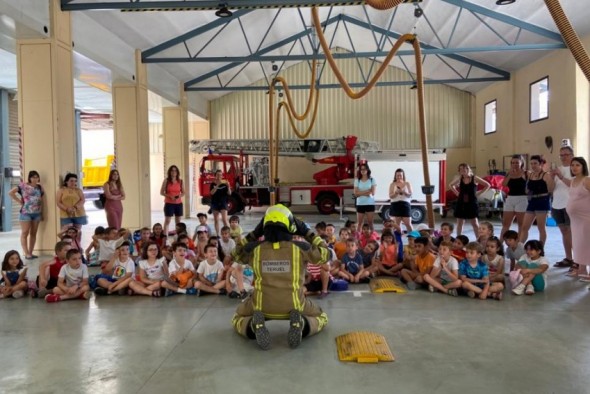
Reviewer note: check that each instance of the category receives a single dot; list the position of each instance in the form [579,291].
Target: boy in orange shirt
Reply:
[421,265]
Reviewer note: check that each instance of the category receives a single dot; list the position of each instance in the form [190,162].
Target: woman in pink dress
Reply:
[114,193]
[578,209]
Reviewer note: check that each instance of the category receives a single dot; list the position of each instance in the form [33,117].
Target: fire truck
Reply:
[244,164]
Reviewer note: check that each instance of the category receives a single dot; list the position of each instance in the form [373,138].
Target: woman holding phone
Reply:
[400,192]
[220,191]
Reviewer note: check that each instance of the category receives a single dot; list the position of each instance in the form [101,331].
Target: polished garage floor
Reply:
[186,344]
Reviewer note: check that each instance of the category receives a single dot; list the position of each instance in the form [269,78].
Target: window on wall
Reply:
[539,100]
[490,117]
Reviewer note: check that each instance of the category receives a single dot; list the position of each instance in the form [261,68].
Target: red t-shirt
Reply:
[56,267]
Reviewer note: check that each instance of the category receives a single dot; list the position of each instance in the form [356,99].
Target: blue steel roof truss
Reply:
[260,54]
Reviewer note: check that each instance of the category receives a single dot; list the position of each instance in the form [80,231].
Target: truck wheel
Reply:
[384,213]
[326,204]
[234,205]
[98,204]
[417,214]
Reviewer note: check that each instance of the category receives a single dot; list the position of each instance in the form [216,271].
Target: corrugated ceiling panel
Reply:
[388,115]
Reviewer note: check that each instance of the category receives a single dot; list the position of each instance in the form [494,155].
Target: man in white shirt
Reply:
[562,177]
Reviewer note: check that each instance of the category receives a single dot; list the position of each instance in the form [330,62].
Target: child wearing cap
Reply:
[410,249]
[202,222]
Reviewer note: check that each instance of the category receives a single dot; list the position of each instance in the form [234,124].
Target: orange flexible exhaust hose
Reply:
[383,4]
[569,35]
[419,84]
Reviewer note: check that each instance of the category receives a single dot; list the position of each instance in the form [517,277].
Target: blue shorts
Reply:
[79,220]
[105,276]
[539,204]
[218,207]
[173,210]
[29,217]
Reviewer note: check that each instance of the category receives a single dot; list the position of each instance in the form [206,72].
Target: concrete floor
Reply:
[186,344]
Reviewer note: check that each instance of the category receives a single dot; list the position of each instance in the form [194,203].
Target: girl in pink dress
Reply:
[114,193]
[578,209]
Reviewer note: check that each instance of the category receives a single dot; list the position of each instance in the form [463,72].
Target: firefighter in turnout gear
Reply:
[279,274]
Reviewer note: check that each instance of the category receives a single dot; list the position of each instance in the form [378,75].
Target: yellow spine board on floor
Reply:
[363,347]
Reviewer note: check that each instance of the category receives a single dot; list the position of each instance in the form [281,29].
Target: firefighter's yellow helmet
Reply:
[280,215]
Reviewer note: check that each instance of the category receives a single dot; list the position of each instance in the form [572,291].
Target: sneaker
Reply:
[431,288]
[498,296]
[244,294]
[168,293]
[453,292]
[234,295]
[41,293]
[100,291]
[52,298]
[295,333]
[411,285]
[191,291]
[260,330]
[530,290]
[518,290]
[18,294]
[471,294]
[222,292]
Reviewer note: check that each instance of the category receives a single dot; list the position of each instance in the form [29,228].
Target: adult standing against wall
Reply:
[70,201]
[400,192]
[220,191]
[173,190]
[539,188]
[562,177]
[364,191]
[114,194]
[31,213]
[517,201]
[465,187]
[578,209]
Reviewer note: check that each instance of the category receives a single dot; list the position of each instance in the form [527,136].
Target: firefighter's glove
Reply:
[258,232]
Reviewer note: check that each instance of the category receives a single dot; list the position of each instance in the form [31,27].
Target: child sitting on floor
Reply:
[14,276]
[352,268]
[152,271]
[446,231]
[181,272]
[121,269]
[387,263]
[484,232]
[73,280]
[49,270]
[444,276]
[458,251]
[475,275]
[235,231]
[494,258]
[421,265]
[93,250]
[210,273]
[533,267]
[515,248]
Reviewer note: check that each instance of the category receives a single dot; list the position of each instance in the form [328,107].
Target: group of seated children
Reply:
[440,263]
[157,270]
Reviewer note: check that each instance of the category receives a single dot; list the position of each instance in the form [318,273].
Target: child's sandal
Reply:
[156,293]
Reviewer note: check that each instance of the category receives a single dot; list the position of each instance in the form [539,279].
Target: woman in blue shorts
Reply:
[31,213]
[539,187]
[70,201]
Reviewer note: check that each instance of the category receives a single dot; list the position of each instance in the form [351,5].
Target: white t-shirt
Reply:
[562,191]
[155,271]
[106,249]
[452,265]
[174,266]
[122,268]
[529,263]
[212,272]
[227,247]
[73,276]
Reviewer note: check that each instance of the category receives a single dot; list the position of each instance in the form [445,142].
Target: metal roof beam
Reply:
[200,5]
[350,55]
[506,19]
[191,34]
[353,85]
[260,52]
[459,58]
